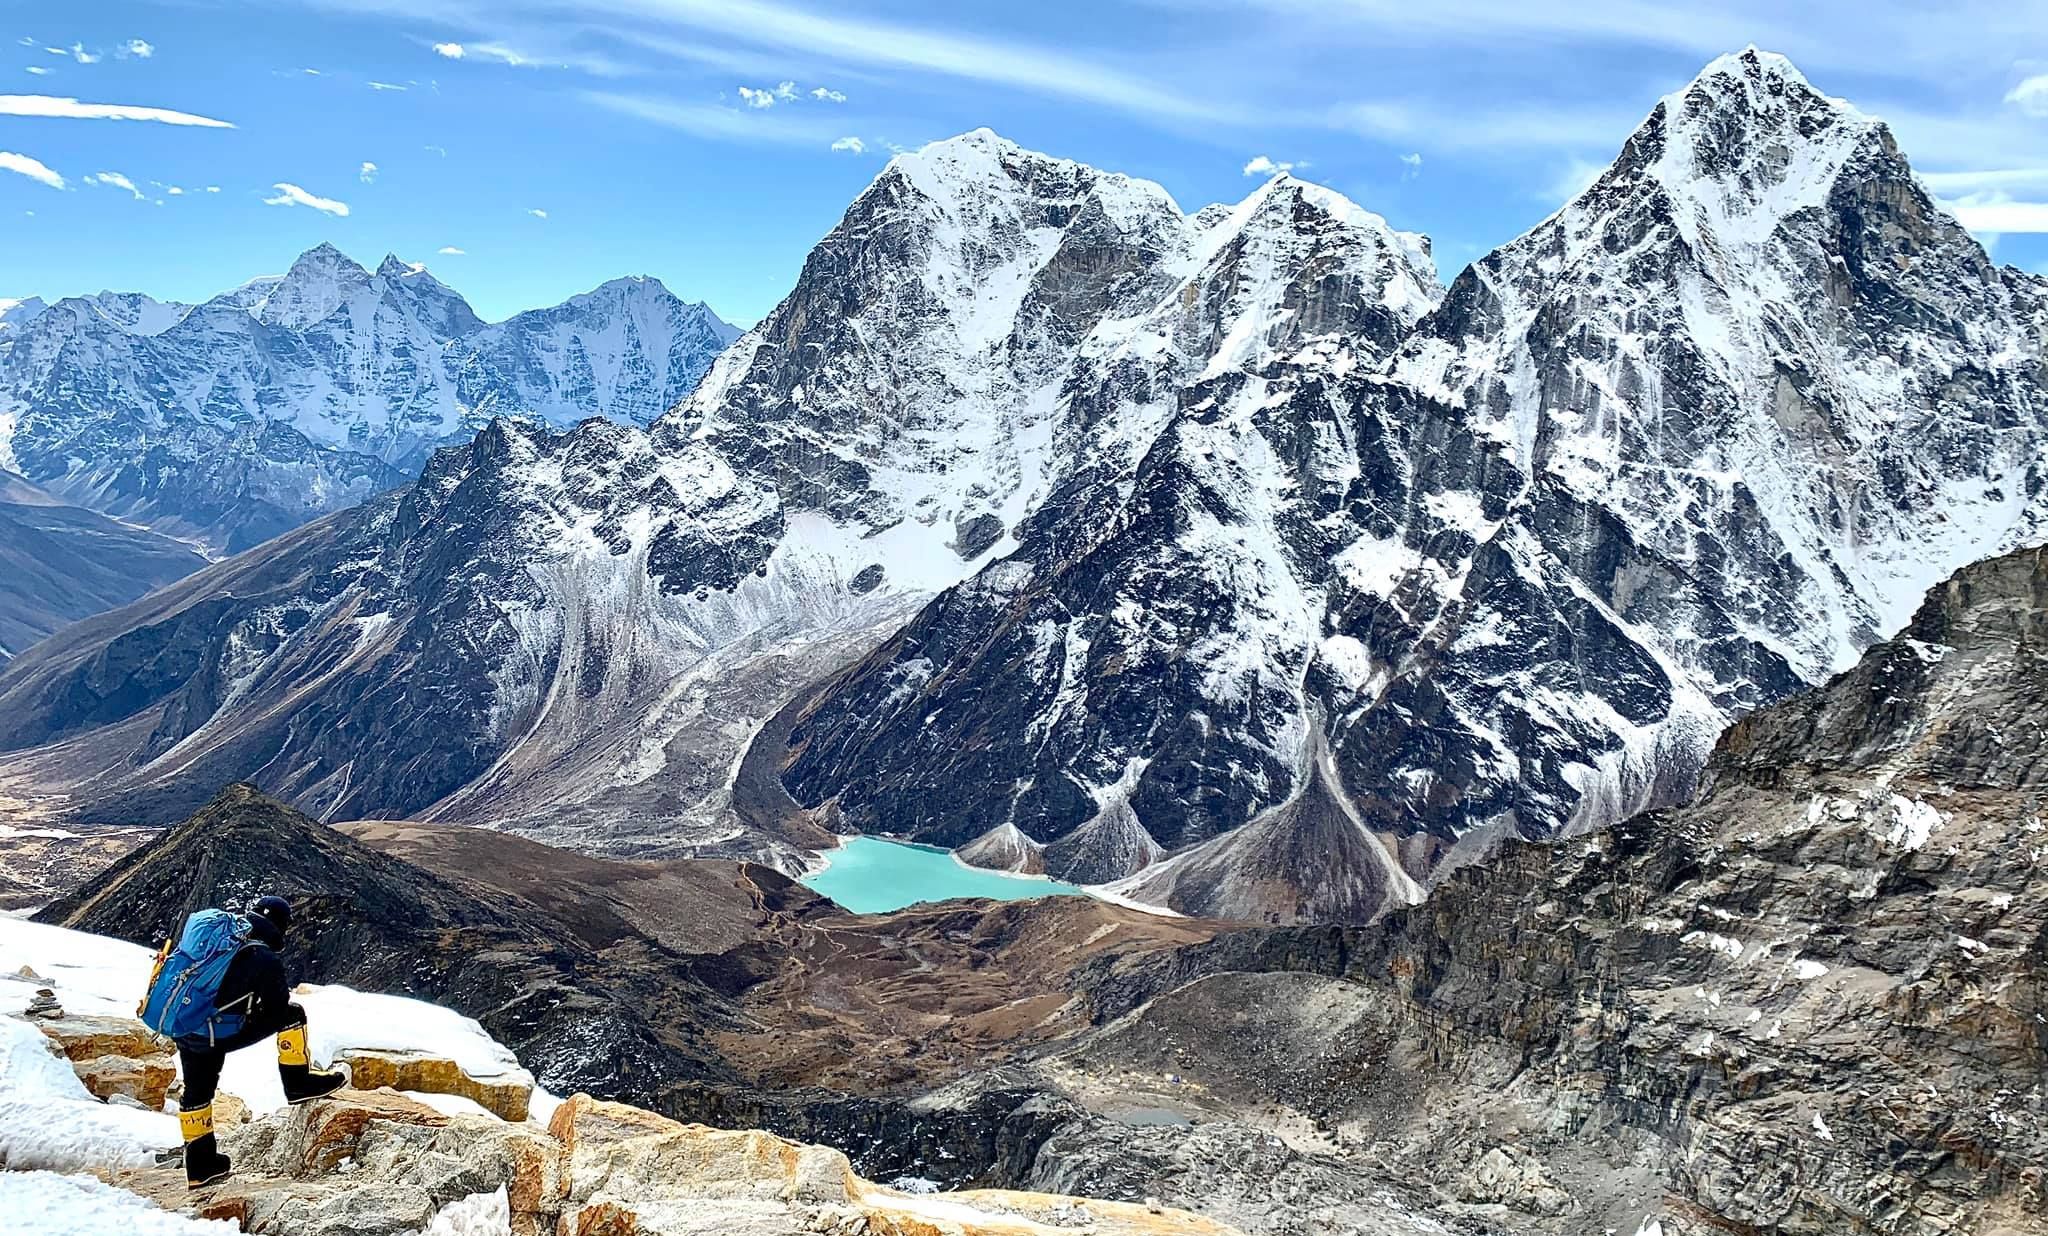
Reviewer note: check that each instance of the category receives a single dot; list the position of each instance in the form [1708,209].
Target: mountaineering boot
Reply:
[204,1163]
[294,1067]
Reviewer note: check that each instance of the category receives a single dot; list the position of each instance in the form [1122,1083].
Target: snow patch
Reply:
[79,1205]
[479,1214]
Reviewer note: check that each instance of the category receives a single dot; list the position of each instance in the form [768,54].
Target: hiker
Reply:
[218,987]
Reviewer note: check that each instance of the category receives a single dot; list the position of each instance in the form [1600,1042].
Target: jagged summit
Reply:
[1748,143]
[318,282]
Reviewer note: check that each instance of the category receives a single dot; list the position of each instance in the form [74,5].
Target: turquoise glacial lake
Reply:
[868,875]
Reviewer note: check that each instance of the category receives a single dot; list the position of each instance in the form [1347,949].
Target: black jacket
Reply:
[255,985]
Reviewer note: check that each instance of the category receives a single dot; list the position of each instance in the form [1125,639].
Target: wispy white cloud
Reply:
[367,173]
[440,151]
[782,126]
[852,145]
[114,180]
[37,69]
[529,58]
[1260,165]
[886,44]
[1993,180]
[450,251]
[498,52]
[213,188]
[289,194]
[136,49]
[1995,214]
[785,92]
[51,105]
[389,86]
[1450,125]
[83,56]
[538,213]
[34,169]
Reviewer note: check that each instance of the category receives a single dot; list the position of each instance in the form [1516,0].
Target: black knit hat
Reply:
[276,909]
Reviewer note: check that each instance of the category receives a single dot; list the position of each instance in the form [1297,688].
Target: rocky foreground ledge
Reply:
[377,1163]
[434,1150]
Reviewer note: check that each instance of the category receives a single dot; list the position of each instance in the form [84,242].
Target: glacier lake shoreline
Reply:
[878,875]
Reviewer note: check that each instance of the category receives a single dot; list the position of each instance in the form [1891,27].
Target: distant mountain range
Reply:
[234,420]
[1224,558]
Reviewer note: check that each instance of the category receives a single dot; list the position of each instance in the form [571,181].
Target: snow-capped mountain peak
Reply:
[319,282]
[439,307]
[1748,143]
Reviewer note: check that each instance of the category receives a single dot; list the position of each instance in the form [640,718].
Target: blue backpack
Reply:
[183,1000]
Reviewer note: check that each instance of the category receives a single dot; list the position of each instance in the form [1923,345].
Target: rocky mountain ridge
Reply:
[299,394]
[1811,1000]
[1219,557]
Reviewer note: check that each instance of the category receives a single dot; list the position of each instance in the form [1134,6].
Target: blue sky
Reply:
[559,143]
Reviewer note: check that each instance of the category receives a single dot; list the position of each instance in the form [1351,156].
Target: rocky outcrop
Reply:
[504,1097]
[113,1056]
[1811,1001]
[378,1164]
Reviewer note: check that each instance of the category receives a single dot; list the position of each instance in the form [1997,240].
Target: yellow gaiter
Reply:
[291,1046]
[196,1123]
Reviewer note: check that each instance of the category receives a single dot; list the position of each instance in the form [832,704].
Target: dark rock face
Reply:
[237,420]
[985,1136]
[1817,990]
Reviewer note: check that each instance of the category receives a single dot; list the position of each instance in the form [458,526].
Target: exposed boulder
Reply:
[504,1097]
[1513,1178]
[82,1037]
[114,1055]
[147,1079]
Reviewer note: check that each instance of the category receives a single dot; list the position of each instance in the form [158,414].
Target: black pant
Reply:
[202,1061]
